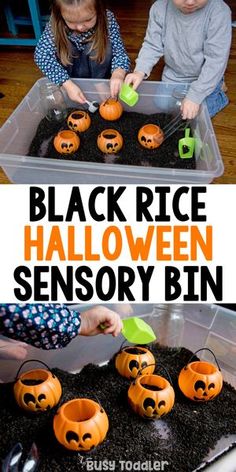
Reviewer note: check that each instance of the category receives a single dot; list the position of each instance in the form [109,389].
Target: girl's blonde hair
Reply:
[98,40]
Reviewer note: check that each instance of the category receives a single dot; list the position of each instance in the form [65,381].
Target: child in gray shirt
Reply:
[194,36]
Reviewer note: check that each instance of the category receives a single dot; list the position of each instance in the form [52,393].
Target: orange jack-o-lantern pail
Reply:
[80,424]
[110,141]
[66,142]
[151,396]
[37,390]
[150,136]
[130,360]
[111,109]
[79,120]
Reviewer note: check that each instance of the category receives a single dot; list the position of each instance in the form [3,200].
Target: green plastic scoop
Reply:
[136,331]
[186,145]
[128,95]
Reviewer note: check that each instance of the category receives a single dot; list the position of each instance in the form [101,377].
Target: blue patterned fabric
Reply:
[46,55]
[46,326]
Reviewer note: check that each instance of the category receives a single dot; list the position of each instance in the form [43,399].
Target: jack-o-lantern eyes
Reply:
[199,384]
[30,399]
[211,386]
[72,436]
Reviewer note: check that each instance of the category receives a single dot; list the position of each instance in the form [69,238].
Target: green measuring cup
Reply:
[136,330]
[128,95]
[186,145]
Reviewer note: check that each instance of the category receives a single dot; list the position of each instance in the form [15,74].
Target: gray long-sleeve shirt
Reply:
[195,46]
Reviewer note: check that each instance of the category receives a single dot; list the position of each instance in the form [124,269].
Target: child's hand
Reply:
[134,79]
[116,81]
[189,109]
[91,320]
[11,349]
[74,92]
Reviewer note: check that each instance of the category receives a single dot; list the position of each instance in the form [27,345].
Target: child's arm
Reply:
[216,52]
[120,64]
[53,326]
[46,326]
[11,349]
[74,92]
[152,48]
[46,59]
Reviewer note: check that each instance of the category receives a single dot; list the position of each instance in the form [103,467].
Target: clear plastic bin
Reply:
[205,325]
[155,97]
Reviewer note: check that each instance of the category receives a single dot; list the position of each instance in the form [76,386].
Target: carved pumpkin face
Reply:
[200,381]
[151,396]
[150,136]
[66,142]
[130,360]
[110,141]
[80,424]
[79,121]
[111,109]
[37,390]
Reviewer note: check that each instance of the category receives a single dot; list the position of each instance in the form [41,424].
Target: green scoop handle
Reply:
[136,330]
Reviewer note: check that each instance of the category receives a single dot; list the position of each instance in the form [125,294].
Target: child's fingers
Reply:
[114,326]
[129,79]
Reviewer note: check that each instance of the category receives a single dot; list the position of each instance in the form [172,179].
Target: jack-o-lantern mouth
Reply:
[203,399]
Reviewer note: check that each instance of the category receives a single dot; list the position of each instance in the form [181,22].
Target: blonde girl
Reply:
[82,40]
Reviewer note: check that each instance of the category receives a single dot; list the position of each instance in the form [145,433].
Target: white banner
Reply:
[117,243]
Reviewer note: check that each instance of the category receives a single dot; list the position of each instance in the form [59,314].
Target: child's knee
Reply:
[216,102]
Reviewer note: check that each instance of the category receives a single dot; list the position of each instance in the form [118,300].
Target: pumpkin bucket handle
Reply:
[113,98]
[204,349]
[163,367]
[98,401]
[122,347]
[31,360]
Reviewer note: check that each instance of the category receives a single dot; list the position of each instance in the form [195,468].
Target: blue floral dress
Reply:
[48,62]
[46,326]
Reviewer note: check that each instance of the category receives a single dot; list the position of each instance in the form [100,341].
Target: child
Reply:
[194,36]
[82,39]
[53,326]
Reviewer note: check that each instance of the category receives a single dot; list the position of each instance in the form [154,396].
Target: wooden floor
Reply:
[18,73]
